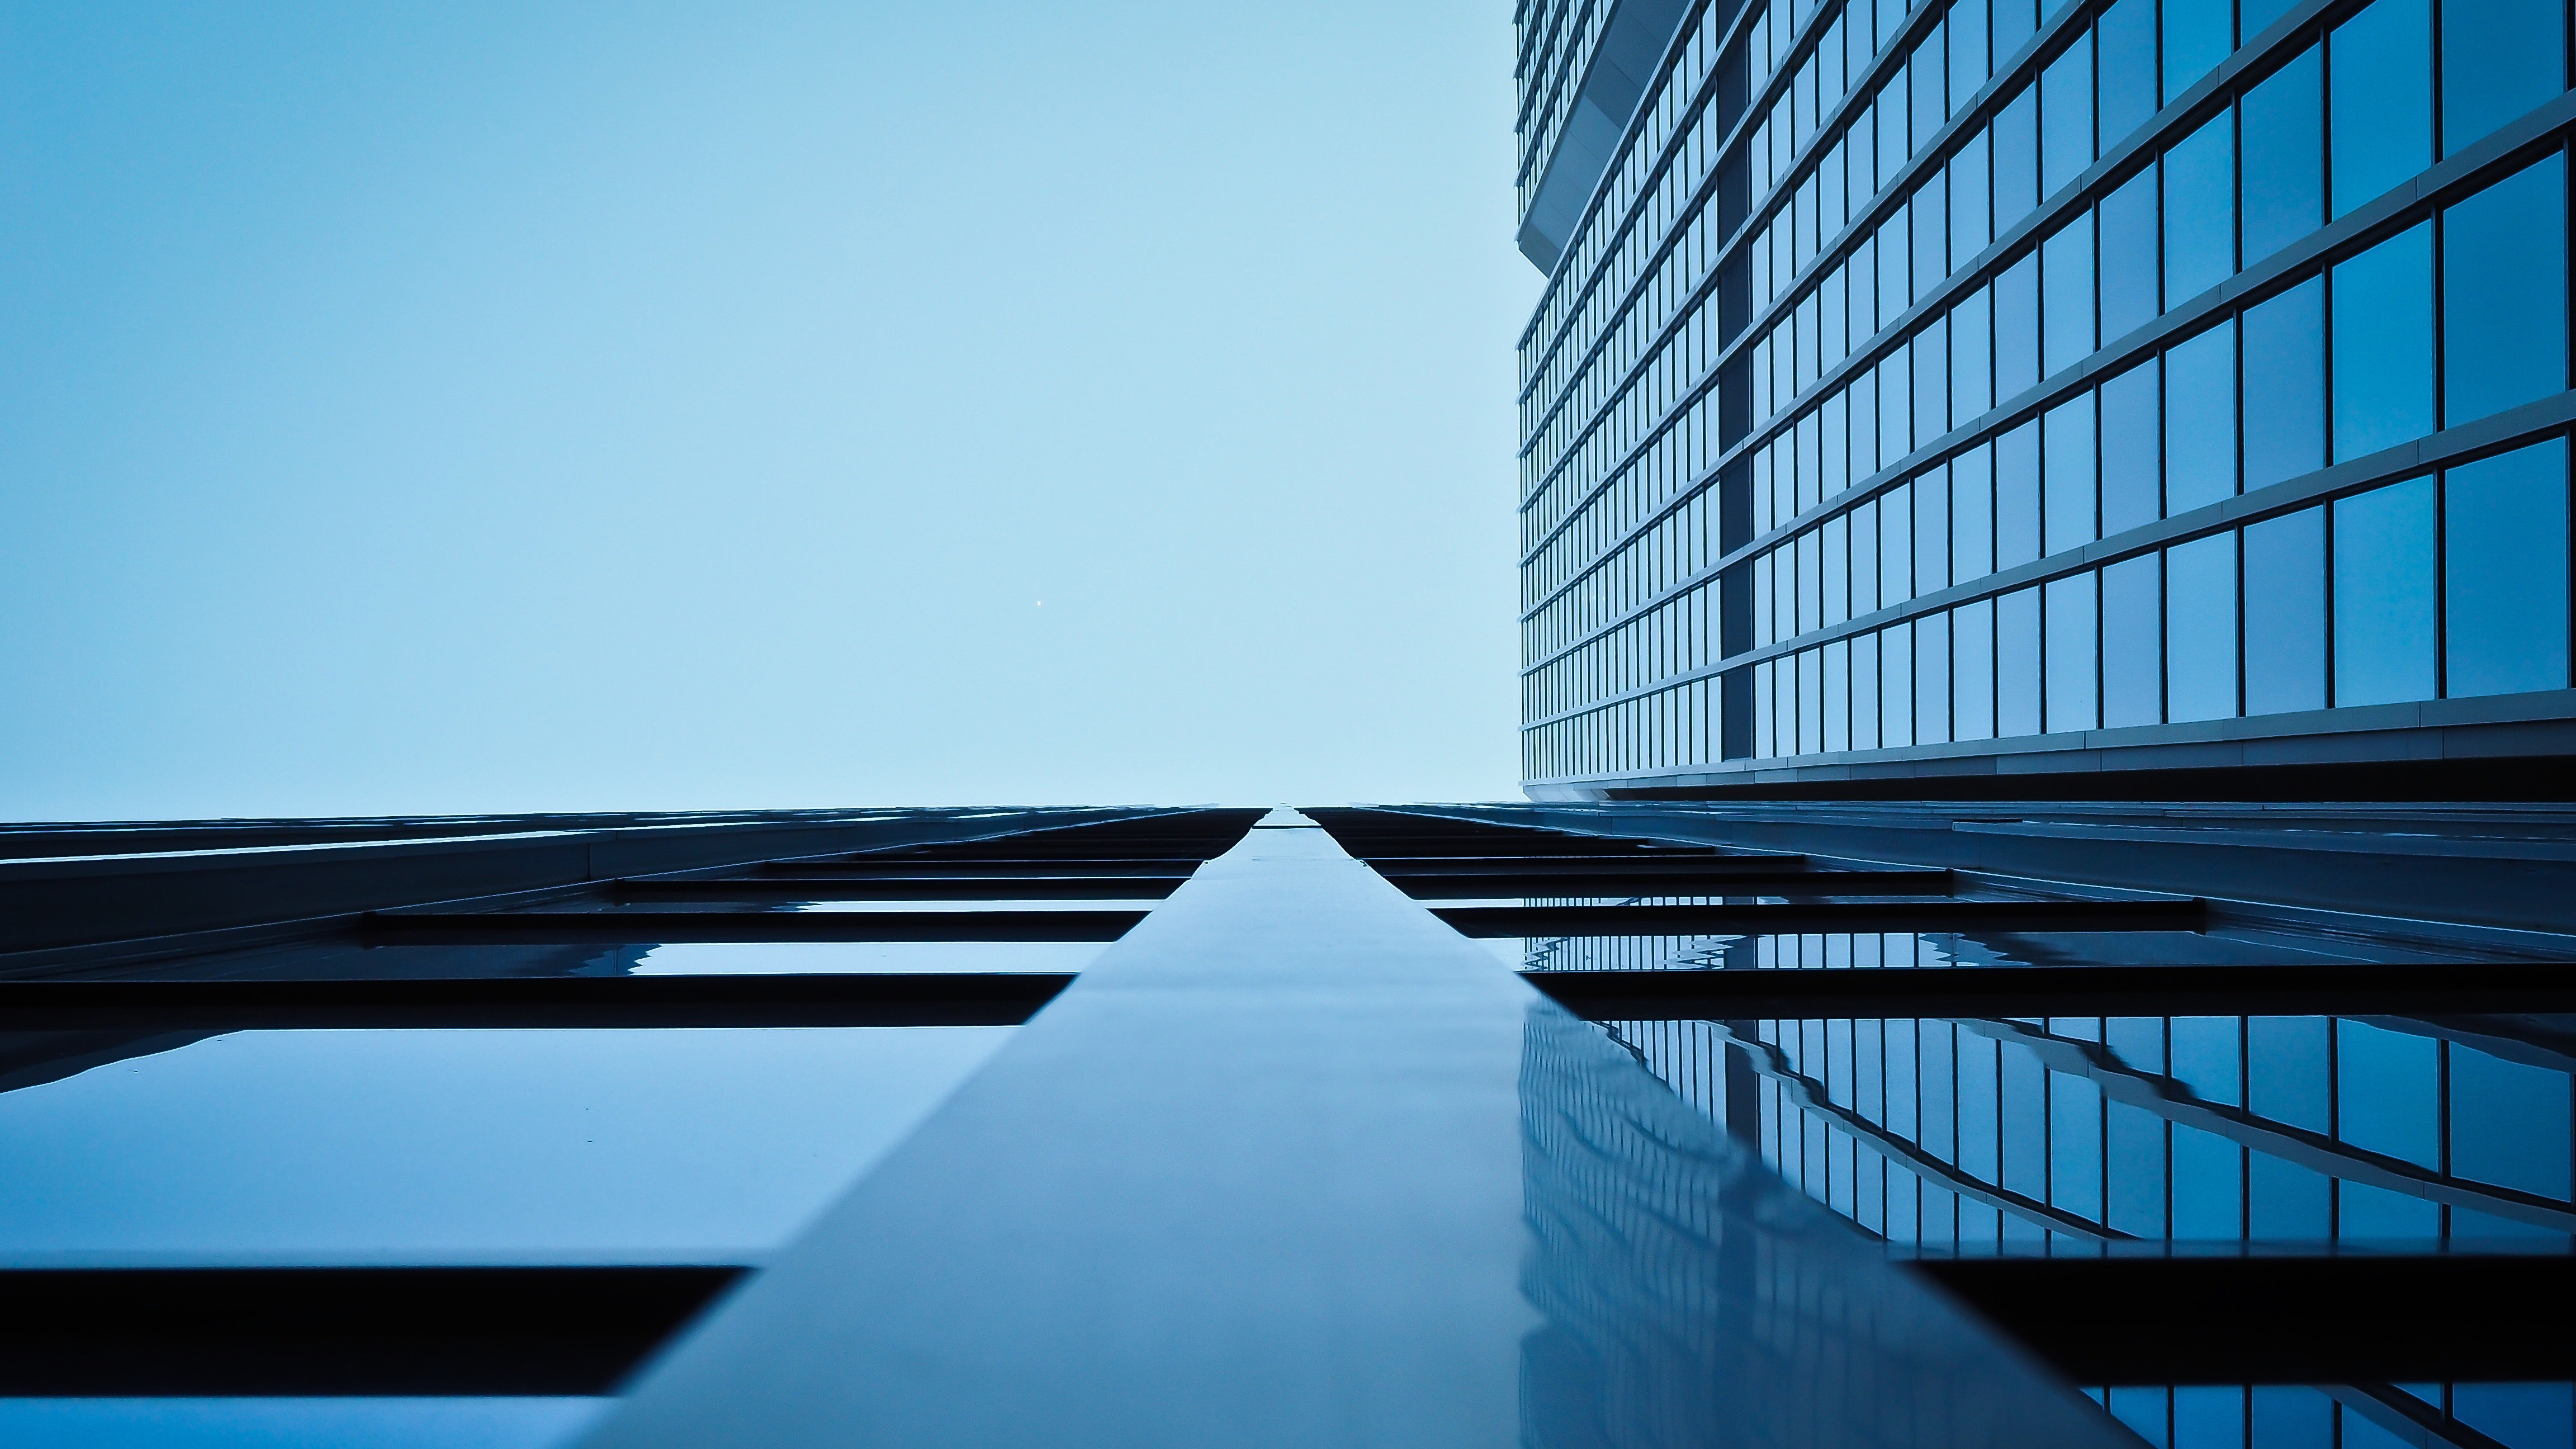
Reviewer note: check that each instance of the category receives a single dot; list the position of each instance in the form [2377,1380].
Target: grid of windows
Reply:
[1942,377]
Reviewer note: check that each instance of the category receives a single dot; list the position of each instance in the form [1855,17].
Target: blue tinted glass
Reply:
[2383,99]
[2504,294]
[1972,660]
[2383,344]
[1968,214]
[1895,406]
[1924,76]
[2017,496]
[2066,121]
[2066,271]
[311,1423]
[2209,1417]
[1864,558]
[2071,689]
[2500,58]
[2200,629]
[2129,449]
[2075,1144]
[2366,1212]
[2015,22]
[2518,1414]
[2017,663]
[2205,1057]
[2383,594]
[2132,683]
[1972,515]
[1864,692]
[1932,679]
[2134,1152]
[1930,214]
[1967,22]
[2208,1186]
[2285,385]
[2284,158]
[2504,580]
[2286,1203]
[2200,209]
[2127,76]
[1896,545]
[2198,35]
[2285,613]
[2129,255]
[2143,1409]
[2017,328]
[1896,686]
[2388,1092]
[2288,1076]
[2290,1417]
[1932,531]
[1893,278]
[2069,474]
[1863,394]
[1931,381]
[2200,420]
[2016,132]
[2509,1123]
[2024,1102]
[1972,384]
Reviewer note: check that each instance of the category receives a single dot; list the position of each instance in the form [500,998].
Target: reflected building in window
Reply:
[2028,389]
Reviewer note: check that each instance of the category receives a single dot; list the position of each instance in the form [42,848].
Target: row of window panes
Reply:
[2428,588]
[1664,730]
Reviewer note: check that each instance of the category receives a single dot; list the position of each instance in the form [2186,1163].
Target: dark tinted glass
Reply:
[2285,385]
[2200,209]
[2284,158]
[2130,427]
[2200,420]
[2504,579]
[2500,58]
[2383,594]
[2285,613]
[2383,344]
[2504,294]
[2200,629]
[2383,99]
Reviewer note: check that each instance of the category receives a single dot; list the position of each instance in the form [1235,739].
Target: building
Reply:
[2123,400]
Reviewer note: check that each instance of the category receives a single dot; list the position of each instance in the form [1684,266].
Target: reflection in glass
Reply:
[2285,613]
[2382,87]
[2383,594]
[2504,584]
[2504,294]
[2383,343]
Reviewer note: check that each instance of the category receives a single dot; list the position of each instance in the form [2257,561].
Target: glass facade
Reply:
[1972,380]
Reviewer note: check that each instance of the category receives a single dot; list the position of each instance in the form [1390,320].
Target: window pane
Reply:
[1972,664]
[2285,386]
[1896,545]
[2015,21]
[1931,381]
[2017,328]
[2017,663]
[2200,209]
[1932,680]
[2383,594]
[2069,474]
[2129,453]
[2071,687]
[2129,255]
[2509,1123]
[1967,22]
[1972,516]
[2132,683]
[1931,531]
[2500,58]
[2285,613]
[2197,38]
[2383,99]
[2016,132]
[2066,128]
[2383,344]
[2066,271]
[2504,294]
[2387,1092]
[2127,74]
[1971,363]
[2504,542]
[2200,420]
[2200,629]
[2284,158]
[1864,564]
[2017,496]
[1967,172]
[1896,686]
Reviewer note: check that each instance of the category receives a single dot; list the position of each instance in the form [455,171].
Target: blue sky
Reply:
[465,406]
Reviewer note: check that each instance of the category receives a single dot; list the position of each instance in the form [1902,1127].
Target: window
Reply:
[2383,594]
[2017,328]
[2504,294]
[2382,85]
[2016,132]
[2132,651]
[1972,516]
[2068,510]
[2200,629]
[2066,272]
[2500,58]
[2129,451]
[2285,385]
[2383,344]
[2017,496]
[2129,256]
[2197,37]
[2017,663]
[2200,207]
[2285,613]
[2071,694]
[2504,580]
[1972,657]
[2284,185]
[1932,679]
[2066,125]
[2200,420]
[2127,77]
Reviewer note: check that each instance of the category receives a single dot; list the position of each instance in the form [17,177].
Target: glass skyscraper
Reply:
[2004,390]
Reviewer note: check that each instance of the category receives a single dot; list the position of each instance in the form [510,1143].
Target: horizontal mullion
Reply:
[1456,886]
[1806,919]
[1896,992]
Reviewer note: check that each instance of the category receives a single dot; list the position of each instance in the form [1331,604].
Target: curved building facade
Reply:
[1998,395]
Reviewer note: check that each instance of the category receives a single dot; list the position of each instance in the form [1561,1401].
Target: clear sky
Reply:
[516,406]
